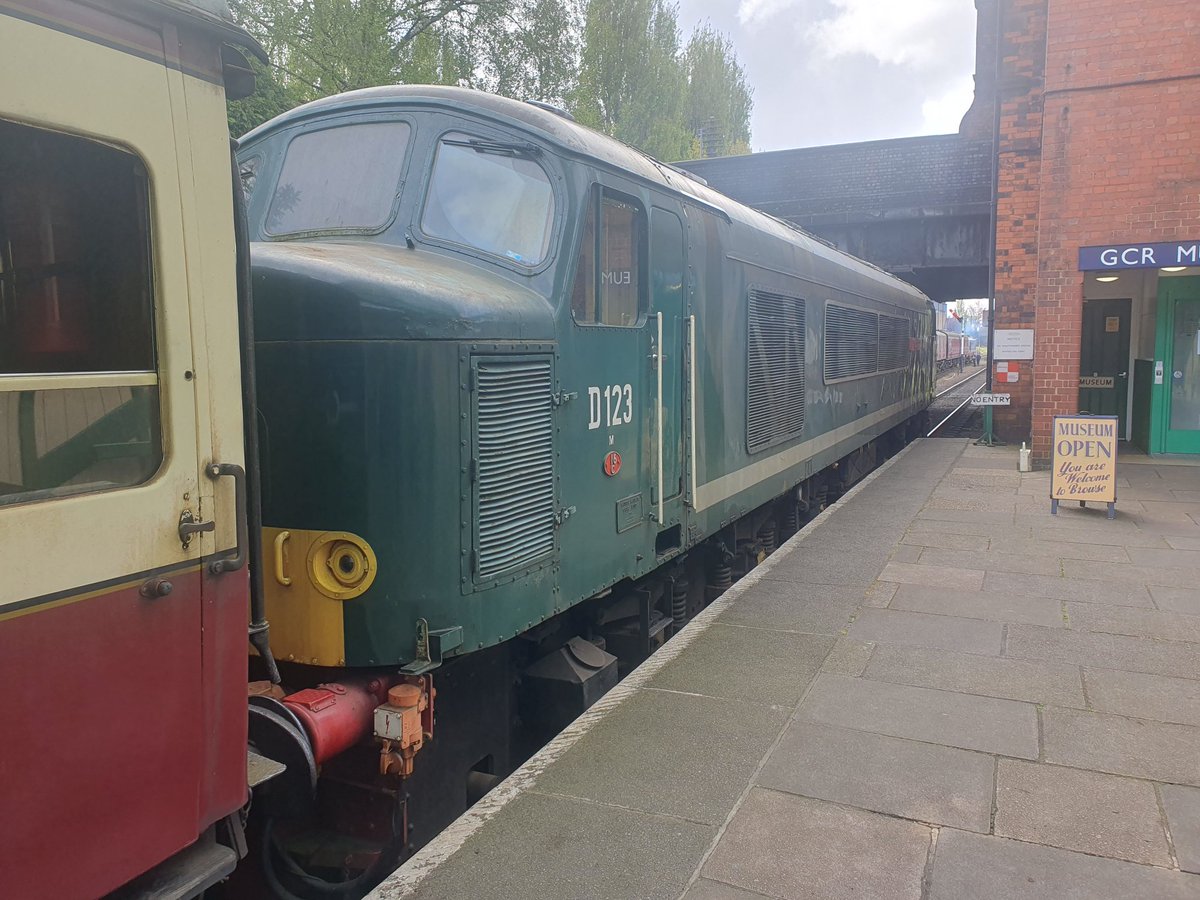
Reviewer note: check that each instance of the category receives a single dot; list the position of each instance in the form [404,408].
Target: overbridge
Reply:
[918,207]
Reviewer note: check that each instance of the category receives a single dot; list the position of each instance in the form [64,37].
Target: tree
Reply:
[632,83]
[323,47]
[719,100]
[528,49]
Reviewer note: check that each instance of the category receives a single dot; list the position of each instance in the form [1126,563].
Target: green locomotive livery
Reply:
[518,363]
[528,400]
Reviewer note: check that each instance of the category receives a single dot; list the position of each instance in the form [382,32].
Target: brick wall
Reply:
[1021,84]
[1099,135]
[1119,161]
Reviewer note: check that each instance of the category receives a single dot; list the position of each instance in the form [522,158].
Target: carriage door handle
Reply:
[238,474]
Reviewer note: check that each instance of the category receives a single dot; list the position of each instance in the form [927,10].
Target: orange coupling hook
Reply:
[404,723]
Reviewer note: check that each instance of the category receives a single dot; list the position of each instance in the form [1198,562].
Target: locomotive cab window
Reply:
[491,196]
[610,293]
[344,179]
[78,389]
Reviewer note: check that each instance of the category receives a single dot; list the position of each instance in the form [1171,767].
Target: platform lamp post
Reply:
[988,438]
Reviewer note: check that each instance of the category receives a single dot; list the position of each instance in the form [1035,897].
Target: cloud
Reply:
[910,33]
[943,112]
[752,13]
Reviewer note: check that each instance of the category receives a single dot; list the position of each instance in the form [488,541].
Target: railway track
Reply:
[951,409]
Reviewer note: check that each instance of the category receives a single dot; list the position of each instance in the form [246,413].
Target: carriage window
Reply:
[78,388]
[610,293]
[491,196]
[339,179]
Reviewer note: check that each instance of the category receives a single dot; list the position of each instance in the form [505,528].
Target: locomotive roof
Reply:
[573,138]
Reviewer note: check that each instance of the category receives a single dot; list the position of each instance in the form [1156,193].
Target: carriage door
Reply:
[101,607]
[667,338]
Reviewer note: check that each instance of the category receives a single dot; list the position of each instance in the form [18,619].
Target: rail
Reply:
[958,408]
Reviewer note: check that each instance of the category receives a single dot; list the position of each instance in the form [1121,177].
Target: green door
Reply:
[1104,360]
[668,343]
[1179,348]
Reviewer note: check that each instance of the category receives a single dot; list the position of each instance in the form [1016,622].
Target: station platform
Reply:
[935,690]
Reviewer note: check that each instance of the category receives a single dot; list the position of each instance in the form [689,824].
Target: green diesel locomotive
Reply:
[528,399]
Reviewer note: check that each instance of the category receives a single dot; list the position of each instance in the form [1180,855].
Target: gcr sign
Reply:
[1139,256]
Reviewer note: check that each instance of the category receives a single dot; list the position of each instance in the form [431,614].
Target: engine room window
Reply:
[78,388]
[610,293]
[343,179]
[491,196]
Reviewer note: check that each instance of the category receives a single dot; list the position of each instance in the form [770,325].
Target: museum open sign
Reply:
[1084,461]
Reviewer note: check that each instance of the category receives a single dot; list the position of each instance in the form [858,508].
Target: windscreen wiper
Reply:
[500,148]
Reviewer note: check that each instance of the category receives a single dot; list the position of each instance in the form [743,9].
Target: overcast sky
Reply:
[836,71]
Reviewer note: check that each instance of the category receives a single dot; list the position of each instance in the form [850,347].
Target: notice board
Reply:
[1083,461]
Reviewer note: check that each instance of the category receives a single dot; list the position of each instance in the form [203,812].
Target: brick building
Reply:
[1098,211]
[1097,188]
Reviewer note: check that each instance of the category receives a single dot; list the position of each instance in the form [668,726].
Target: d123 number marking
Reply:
[611,407]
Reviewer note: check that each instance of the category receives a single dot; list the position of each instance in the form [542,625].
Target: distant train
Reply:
[956,349]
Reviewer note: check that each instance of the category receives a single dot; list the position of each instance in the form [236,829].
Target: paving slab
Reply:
[1149,623]
[1176,599]
[993,561]
[1108,651]
[984,867]
[1027,546]
[1144,696]
[848,657]
[676,754]
[880,593]
[791,606]
[939,717]
[776,665]
[923,782]
[1121,746]
[1171,559]
[818,566]
[979,605]
[1129,574]
[795,847]
[1182,806]
[557,848]
[950,578]
[1182,543]
[1105,815]
[920,537]
[971,519]
[1077,589]
[707,889]
[1035,681]
[919,629]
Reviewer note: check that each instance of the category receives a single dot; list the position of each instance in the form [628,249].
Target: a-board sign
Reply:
[1012,343]
[991,399]
[1083,460]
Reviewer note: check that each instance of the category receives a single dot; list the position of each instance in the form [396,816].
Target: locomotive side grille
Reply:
[514,464]
[893,343]
[774,369]
[851,342]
